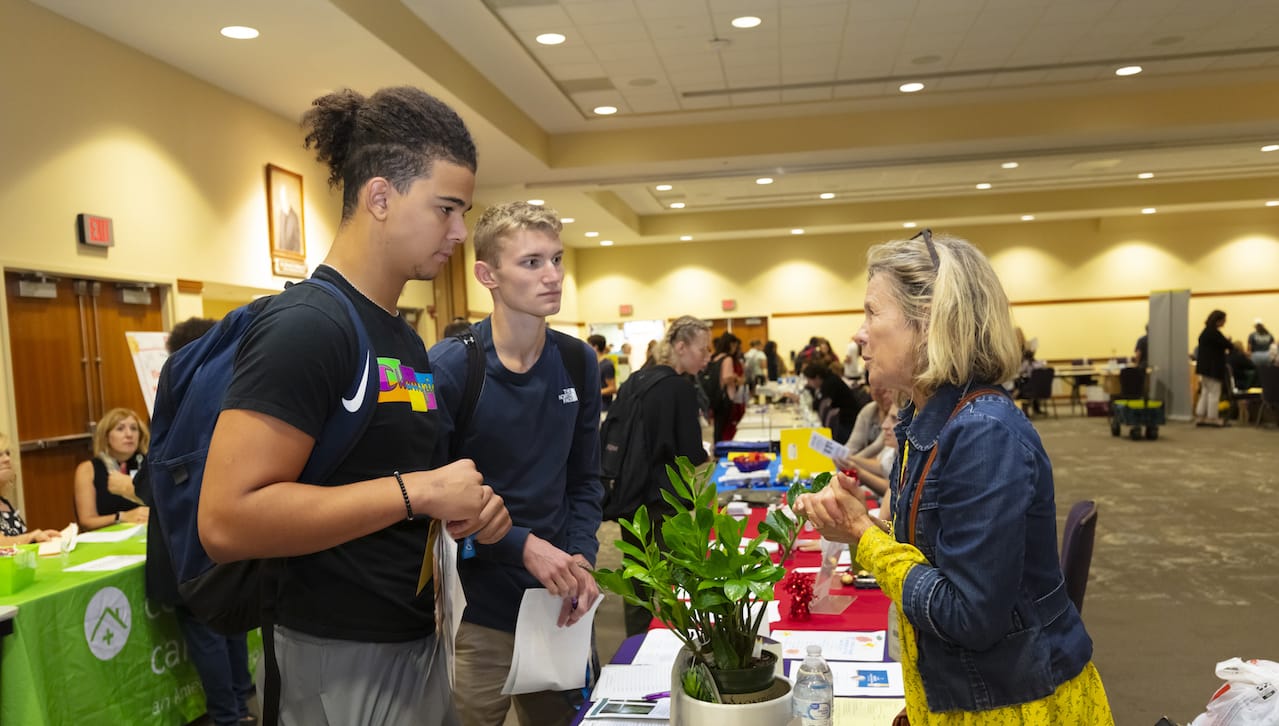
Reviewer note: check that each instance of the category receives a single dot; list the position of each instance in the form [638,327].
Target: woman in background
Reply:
[671,410]
[119,450]
[1210,364]
[13,531]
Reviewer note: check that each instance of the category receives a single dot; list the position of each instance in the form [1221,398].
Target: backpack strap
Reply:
[573,355]
[349,419]
[470,392]
[919,488]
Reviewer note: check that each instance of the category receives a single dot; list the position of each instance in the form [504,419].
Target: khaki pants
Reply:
[482,660]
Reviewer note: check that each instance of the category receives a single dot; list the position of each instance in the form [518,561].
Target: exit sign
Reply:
[94,231]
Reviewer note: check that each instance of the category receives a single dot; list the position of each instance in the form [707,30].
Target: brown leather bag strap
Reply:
[919,489]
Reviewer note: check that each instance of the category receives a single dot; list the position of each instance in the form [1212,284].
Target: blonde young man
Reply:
[534,435]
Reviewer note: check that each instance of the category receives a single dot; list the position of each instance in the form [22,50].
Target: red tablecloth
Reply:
[868,612]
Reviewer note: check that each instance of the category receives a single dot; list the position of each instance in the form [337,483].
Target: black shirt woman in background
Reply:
[119,449]
[1211,367]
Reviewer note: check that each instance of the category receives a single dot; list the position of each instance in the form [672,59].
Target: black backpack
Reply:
[625,458]
[712,389]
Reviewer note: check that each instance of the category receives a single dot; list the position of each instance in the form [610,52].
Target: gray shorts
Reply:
[327,682]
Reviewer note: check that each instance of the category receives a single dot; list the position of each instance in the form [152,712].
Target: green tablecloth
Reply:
[88,647]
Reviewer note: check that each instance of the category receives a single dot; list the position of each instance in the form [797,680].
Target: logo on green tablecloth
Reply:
[107,621]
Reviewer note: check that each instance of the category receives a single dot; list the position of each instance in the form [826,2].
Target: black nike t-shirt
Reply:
[295,364]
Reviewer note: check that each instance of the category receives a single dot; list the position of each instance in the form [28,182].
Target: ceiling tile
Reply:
[559,54]
[629,67]
[667,9]
[574,71]
[652,102]
[757,98]
[598,34]
[804,95]
[625,51]
[704,102]
[699,27]
[597,12]
[801,35]
[535,18]
[750,76]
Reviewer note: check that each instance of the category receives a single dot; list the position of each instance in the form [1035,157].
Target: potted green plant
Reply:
[706,587]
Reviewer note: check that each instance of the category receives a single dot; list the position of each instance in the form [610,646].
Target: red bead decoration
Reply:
[800,587]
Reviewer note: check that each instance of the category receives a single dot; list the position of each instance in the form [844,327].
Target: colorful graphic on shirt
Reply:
[401,384]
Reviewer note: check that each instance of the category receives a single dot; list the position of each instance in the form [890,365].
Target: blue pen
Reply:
[657,696]
[468,547]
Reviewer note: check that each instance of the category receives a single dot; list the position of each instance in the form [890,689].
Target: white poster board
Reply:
[149,353]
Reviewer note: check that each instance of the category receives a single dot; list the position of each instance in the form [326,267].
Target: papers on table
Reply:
[632,682]
[108,563]
[836,645]
[64,542]
[536,635]
[867,710]
[613,711]
[659,648]
[867,679]
[115,535]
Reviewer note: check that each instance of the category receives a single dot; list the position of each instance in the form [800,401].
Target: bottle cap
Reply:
[814,651]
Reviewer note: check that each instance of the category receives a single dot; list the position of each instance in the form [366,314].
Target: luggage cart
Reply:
[1133,407]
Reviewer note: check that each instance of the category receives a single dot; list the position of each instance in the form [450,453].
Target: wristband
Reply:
[408,507]
[117,517]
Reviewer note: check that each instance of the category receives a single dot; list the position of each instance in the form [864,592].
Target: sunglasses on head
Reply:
[927,235]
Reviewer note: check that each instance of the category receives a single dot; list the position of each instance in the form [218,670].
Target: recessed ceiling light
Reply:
[827,195]
[1027,217]
[592,234]
[1009,165]
[1149,210]
[797,230]
[606,243]
[239,32]
[1145,175]
[908,225]
[605,110]
[686,238]
[663,187]
[537,202]
[1273,203]
[550,38]
[1270,147]
[984,185]
[1128,71]
[764,180]
[567,220]
[911,87]
[746,21]
[677,205]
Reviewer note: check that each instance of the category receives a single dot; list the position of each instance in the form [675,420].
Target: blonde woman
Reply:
[13,531]
[969,554]
[119,451]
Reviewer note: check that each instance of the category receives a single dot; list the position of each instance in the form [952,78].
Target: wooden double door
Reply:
[747,329]
[71,363]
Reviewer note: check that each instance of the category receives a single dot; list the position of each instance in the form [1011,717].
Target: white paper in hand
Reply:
[537,637]
[827,446]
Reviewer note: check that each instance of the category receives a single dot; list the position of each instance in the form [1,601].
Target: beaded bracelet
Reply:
[408,507]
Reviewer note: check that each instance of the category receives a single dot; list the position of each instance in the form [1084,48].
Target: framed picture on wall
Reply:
[284,221]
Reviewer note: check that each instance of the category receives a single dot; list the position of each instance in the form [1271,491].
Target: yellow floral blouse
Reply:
[1081,701]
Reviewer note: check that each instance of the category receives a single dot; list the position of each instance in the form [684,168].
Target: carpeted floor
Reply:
[1185,572]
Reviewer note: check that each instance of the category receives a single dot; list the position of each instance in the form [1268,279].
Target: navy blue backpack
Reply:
[234,596]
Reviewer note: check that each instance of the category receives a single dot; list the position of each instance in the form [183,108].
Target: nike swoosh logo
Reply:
[353,405]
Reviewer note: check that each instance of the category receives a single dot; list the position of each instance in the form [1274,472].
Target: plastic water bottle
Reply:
[813,697]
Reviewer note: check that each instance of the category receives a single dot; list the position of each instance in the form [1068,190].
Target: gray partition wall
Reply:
[1169,342]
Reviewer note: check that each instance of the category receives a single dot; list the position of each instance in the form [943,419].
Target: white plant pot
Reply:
[775,711]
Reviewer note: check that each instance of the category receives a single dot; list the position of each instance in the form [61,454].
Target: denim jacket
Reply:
[993,621]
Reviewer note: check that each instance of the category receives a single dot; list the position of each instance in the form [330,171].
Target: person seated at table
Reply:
[866,438]
[988,634]
[13,531]
[837,404]
[119,450]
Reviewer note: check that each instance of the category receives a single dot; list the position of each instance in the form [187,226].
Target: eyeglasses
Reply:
[927,234]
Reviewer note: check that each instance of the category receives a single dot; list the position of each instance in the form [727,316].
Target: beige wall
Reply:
[1206,252]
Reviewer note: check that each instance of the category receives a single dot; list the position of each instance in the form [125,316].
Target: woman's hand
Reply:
[838,512]
[41,535]
[138,515]
[121,485]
